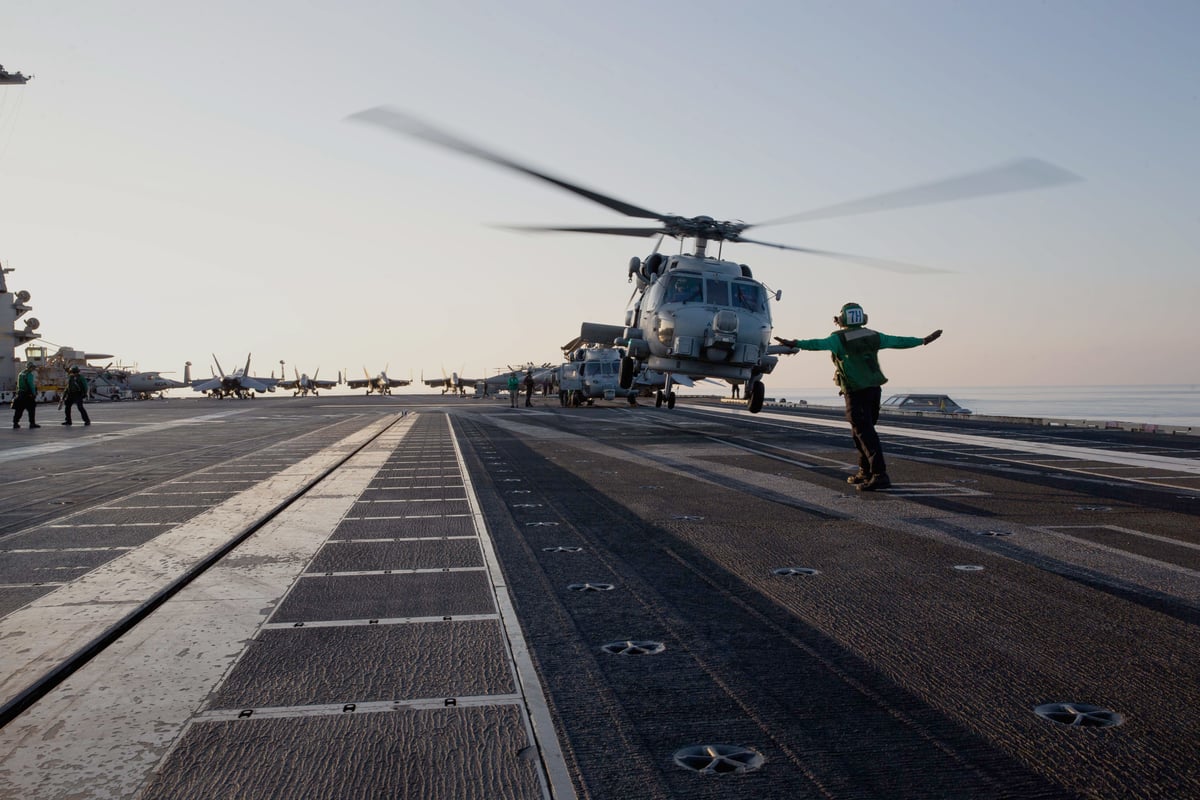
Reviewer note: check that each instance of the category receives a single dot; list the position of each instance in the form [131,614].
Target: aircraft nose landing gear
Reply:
[754,395]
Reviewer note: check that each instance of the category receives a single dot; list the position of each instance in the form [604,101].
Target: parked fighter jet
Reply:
[381,383]
[541,373]
[237,384]
[451,383]
[145,385]
[303,384]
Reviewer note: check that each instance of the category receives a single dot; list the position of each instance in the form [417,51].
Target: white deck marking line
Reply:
[372,706]
[345,623]
[427,516]
[403,539]
[541,723]
[407,488]
[111,525]
[1130,531]
[178,494]
[1166,565]
[1190,465]
[69,549]
[141,508]
[421,571]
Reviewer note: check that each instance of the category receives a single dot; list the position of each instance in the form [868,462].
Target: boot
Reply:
[859,478]
[876,483]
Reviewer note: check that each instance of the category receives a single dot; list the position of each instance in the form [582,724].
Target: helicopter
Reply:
[697,316]
[591,373]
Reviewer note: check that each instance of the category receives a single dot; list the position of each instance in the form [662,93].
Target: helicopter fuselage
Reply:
[592,373]
[700,317]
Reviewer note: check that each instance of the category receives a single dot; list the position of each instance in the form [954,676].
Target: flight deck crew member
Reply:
[514,389]
[26,399]
[855,350]
[77,389]
[528,388]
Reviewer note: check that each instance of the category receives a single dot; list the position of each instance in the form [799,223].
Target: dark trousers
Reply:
[862,412]
[529,394]
[76,401]
[24,402]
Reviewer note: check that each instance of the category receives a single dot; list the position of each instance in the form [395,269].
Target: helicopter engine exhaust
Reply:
[601,333]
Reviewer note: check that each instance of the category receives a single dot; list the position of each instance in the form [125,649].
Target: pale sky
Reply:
[178,179]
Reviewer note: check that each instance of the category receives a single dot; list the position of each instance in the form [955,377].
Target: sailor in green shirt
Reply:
[855,351]
[26,399]
[514,388]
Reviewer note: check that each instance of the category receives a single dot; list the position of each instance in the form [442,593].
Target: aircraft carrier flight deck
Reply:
[446,598]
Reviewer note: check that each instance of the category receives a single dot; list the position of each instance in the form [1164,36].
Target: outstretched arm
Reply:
[828,343]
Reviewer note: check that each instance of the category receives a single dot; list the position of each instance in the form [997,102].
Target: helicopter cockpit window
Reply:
[685,289]
[748,296]
[718,292]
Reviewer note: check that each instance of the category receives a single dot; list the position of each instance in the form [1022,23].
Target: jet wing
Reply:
[436,381]
[398,382]
[359,383]
[501,381]
[322,384]
[208,385]
[258,384]
[288,384]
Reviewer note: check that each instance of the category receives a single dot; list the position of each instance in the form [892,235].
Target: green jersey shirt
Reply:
[855,354]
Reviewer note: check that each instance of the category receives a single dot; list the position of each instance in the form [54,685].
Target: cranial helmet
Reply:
[851,314]
[75,370]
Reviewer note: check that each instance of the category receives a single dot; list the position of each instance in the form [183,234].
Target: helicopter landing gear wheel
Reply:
[670,400]
[755,402]
[625,374]
[658,399]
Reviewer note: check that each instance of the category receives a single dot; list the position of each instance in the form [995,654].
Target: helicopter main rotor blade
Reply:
[399,122]
[878,263]
[1017,176]
[614,231]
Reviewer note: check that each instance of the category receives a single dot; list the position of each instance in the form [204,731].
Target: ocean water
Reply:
[1158,405]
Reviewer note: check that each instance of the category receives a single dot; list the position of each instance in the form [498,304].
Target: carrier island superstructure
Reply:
[13,306]
[17,330]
